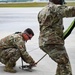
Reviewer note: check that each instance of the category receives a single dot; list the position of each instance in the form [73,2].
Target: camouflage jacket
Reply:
[51,24]
[16,41]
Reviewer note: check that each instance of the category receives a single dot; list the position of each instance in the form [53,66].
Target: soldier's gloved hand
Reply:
[33,64]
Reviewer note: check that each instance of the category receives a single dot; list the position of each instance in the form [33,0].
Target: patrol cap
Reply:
[29,31]
[57,1]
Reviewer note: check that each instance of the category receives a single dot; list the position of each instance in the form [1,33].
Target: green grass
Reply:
[71,4]
[34,4]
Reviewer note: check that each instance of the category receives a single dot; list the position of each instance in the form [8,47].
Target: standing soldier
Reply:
[13,47]
[51,38]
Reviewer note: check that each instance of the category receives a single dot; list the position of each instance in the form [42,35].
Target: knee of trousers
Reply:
[60,60]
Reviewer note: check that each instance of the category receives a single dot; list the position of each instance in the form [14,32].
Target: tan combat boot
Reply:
[9,69]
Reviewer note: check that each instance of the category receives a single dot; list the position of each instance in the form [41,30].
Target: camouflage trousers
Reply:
[59,55]
[9,56]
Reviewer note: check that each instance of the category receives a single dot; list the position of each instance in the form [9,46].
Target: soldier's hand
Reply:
[33,64]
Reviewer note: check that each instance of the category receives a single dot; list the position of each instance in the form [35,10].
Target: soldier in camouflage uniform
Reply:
[13,47]
[51,38]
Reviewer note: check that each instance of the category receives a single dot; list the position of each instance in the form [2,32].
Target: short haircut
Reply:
[57,1]
[29,31]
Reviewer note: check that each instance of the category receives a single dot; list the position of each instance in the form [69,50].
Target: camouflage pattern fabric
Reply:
[59,55]
[10,55]
[51,39]
[12,48]
[51,23]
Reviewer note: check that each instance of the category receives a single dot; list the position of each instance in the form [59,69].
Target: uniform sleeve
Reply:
[20,44]
[69,11]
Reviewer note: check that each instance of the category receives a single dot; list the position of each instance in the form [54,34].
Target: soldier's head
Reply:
[28,34]
[61,2]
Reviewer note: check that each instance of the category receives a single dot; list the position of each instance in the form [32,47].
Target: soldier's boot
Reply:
[9,68]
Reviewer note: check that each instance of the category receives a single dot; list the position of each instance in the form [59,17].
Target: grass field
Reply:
[33,4]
